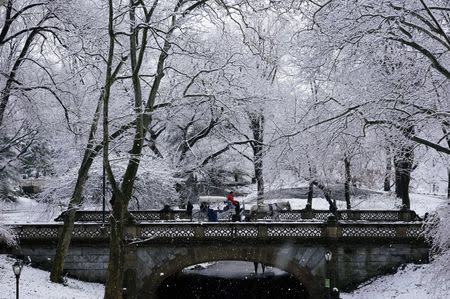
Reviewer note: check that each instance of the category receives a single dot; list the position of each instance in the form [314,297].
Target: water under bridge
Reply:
[162,243]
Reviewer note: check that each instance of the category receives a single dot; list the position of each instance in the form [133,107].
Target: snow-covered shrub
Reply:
[7,237]
[9,173]
[153,188]
[21,154]
[437,233]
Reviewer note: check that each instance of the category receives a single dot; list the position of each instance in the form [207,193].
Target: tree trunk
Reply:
[387,174]
[310,196]
[327,195]
[114,274]
[114,282]
[445,131]
[310,188]
[56,274]
[90,153]
[348,179]
[6,91]
[448,183]
[257,127]
[403,163]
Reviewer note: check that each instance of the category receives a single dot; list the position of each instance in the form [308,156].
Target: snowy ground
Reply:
[412,282]
[35,284]
[27,210]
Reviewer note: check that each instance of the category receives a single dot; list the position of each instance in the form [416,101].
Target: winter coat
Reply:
[230,198]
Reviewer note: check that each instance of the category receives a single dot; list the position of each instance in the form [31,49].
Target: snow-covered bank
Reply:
[430,281]
[412,282]
[35,284]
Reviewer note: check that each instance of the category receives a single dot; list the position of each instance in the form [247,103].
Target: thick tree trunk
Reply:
[403,163]
[348,179]
[402,180]
[114,274]
[258,165]
[448,183]
[388,171]
[56,274]
[310,196]
[445,131]
[257,127]
[310,188]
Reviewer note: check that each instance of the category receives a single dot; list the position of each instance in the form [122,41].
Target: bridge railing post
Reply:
[262,231]
[131,232]
[353,215]
[331,228]
[406,215]
[199,231]
[400,231]
[307,214]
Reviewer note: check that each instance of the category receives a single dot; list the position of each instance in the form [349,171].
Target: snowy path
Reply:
[27,210]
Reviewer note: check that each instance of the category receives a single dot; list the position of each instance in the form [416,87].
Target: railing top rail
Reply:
[283,215]
[231,231]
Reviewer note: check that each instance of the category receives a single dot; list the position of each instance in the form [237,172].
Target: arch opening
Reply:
[232,279]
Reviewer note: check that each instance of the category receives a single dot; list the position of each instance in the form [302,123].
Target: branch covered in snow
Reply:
[7,237]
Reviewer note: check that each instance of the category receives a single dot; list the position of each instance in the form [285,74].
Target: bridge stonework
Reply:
[155,251]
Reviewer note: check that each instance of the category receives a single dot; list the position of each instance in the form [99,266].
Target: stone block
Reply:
[307,253]
[95,250]
[75,251]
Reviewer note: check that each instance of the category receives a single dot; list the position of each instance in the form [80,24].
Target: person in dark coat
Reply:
[263,267]
[212,215]
[189,208]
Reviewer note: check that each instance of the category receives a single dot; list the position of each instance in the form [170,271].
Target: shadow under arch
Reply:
[196,256]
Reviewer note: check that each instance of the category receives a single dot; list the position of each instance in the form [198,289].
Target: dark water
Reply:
[191,285]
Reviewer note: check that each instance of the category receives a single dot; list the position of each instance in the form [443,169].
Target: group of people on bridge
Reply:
[212,214]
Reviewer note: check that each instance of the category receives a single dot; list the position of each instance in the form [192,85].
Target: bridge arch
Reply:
[175,262]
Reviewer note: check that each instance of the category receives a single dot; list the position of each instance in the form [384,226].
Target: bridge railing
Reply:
[351,215]
[146,215]
[188,231]
[292,215]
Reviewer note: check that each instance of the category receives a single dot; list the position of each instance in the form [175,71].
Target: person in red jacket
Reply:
[230,198]
[235,203]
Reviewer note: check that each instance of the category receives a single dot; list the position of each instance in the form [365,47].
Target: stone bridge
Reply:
[156,250]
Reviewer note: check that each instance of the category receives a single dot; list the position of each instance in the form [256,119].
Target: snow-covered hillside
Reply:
[35,284]
[410,282]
